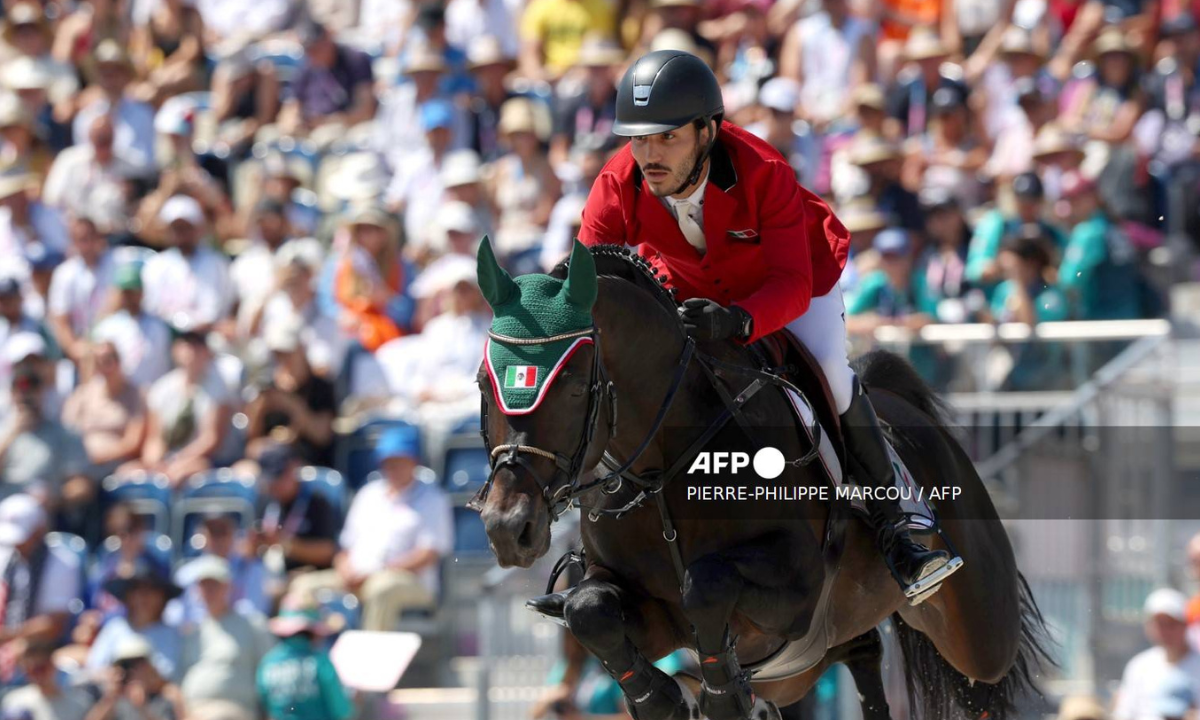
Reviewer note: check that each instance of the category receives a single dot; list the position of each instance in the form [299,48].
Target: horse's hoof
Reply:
[765,710]
[672,701]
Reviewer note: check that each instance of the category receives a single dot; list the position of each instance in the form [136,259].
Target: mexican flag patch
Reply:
[521,376]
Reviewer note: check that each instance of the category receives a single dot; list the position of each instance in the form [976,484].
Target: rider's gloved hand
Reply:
[705,319]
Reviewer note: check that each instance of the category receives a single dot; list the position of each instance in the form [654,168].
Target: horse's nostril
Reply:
[525,540]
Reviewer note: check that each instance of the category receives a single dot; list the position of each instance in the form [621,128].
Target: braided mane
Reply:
[623,262]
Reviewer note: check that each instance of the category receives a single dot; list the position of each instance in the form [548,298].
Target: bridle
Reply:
[564,487]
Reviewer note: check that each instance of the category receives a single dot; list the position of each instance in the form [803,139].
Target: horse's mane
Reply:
[622,262]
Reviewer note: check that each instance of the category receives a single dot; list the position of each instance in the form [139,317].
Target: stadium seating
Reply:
[330,485]
[221,491]
[145,494]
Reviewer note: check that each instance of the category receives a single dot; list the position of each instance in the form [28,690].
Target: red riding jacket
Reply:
[772,245]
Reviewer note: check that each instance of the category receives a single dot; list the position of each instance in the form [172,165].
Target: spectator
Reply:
[333,88]
[399,132]
[893,295]
[397,531]
[81,33]
[249,583]
[1055,153]
[142,341]
[293,404]
[1106,107]
[882,163]
[222,654]
[944,265]
[79,288]
[134,689]
[588,115]
[269,232]
[489,65]
[524,186]
[107,412]
[443,368]
[38,454]
[20,148]
[463,182]
[27,220]
[245,98]
[680,17]
[1026,296]
[372,280]
[282,178]
[45,697]
[416,189]
[296,680]
[144,590]
[168,52]
[1098,273]
[295,301]
[29,36]
[187,284]
[983,267]
[469,20]
[297,520]
[133,120]
[829,54]
[40,261]
[125,546]
[41,582]
[430,26]
[909,99]
[1143,679]
[553,31]
[29,351]
[15,321]
[89,178]
[41,88]
[949,156]
[189,419]
[586,163]
[780,97]
[1012,153]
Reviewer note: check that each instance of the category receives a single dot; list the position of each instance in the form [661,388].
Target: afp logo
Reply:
[768,463]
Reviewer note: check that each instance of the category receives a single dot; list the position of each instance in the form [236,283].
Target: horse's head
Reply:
[545,399]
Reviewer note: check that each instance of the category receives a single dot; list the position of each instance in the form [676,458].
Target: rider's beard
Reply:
[675,184]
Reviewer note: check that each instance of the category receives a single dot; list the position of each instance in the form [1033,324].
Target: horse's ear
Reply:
[580,285]
[496,285]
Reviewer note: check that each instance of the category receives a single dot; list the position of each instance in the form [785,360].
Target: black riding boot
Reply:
[910,561]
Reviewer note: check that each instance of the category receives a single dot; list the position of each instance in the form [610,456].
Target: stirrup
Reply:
[931,581]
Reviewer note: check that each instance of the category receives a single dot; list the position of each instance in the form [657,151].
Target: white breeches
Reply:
[823,331]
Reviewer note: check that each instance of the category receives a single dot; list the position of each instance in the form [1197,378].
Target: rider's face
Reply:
[666,159]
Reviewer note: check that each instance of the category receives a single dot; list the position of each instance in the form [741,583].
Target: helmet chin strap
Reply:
[694,176]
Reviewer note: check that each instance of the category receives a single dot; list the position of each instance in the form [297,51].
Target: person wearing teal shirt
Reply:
[897,294]
[983,268]
[296,680]
[1024,296]
[1098,273]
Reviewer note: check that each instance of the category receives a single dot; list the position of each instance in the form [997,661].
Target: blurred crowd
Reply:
[231,231]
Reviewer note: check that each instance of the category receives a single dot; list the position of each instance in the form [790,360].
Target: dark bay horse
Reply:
[970,650]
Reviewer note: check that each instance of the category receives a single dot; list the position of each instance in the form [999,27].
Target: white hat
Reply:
[22,345]
[283,336]
[12,111]
[25,73]
[443,274]
[205,567]
[182,207]
[780,93]
[460,167]
[20,517]
[1166,601]
[306,251]
[457,216]
[132,647]
[176,116]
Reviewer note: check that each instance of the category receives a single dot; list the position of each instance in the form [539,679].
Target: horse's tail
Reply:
[936,690]
[890,372]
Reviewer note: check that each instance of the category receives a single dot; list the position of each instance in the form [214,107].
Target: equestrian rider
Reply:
[749,249]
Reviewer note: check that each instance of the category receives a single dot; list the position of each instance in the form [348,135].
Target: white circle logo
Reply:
[768,463]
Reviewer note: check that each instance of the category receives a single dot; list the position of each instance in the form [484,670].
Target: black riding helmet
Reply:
[665,90]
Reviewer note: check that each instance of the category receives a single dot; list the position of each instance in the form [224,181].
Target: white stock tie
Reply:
[688,214]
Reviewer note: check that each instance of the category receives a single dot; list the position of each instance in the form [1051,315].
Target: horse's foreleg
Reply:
[864,657]
[758,579]
[595,615]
